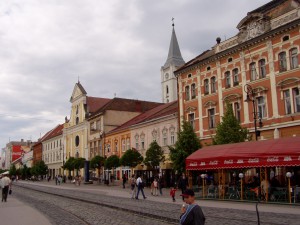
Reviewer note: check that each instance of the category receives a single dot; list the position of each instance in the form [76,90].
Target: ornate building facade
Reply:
[261,62]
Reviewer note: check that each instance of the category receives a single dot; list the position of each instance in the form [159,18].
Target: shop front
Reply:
[260,170]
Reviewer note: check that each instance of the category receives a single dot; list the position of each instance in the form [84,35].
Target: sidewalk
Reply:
[14,212]
[118,191]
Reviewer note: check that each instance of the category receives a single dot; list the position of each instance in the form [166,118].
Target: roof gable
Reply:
[78,92]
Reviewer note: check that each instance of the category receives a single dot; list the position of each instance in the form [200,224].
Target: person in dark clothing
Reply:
[124,180]
[191,213]
[183,184]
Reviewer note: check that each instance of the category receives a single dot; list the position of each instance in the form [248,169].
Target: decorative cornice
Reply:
[288,81]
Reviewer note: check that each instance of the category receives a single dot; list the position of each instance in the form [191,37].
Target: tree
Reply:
[96,163]
[112,161]
[186,144]
[230,129]
[42,168]
[78,164]
[25,172]
[69,164]
[131,158]
[13,170]
[154,155]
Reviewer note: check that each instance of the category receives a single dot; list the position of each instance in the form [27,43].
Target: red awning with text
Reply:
[278,152]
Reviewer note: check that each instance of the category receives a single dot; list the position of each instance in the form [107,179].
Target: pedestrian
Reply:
[49,178]
[124,179]
[79,180]
[172,193]
[140,186]
[59,179]
[6,186]
[155,186]
[183,184]
[133,186]
[191,213]
[56,180]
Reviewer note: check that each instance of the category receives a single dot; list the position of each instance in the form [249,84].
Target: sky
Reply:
[112,47]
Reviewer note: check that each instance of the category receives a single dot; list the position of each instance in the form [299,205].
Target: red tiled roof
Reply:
[129,105]
[157,112]
[94,103]
[58,130]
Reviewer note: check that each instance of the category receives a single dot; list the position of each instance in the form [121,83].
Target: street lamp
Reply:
[251,97]
[289,175]
[203,177]
[241,176]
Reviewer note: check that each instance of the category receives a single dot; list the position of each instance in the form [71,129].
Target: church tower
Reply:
[168,79]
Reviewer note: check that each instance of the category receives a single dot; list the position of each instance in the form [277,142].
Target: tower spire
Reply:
[174,56]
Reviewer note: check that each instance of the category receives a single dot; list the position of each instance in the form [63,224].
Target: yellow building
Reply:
[75,132]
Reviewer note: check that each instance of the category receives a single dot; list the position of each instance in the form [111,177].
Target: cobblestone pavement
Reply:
[112,205]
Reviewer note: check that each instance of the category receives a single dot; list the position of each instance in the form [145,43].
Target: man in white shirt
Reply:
[140,185]
[5,183]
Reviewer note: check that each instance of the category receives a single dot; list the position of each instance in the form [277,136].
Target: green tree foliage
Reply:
[78,163]
[186,144]
[229,130]
[131,158]
[69,164]
[112,161]
[154,155]
[13,170]
[25,172]
[40,168]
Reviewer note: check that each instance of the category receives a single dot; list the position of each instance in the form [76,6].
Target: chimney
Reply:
[218,40]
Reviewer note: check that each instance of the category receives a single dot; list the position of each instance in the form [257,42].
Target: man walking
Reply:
[191,213]
[140,185]
[5,184]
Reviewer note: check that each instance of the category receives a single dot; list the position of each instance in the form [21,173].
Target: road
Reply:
[88,206]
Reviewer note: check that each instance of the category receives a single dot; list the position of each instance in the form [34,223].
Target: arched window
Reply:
[230,60]
[193,91]
[77,120]
[285,38]
[262,68]
[206,87]
[252,68]
[294,58]
[213,84]
[227,79]
[167,89]
[187,93]
[282,61]
[235,74]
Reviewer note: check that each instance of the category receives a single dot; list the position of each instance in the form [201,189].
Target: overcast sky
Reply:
[114,46]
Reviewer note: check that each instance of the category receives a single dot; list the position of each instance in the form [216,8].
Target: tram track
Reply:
[164,217]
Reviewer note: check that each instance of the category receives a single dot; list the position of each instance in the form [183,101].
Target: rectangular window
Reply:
[227,80]
[108,147]
[187,93]
[192,119]
[296,96]
[237,111]
[213,84]
[172,138]
[193,87]
[127,143]
[137,145]
[294,58]
[282,62]
[165,140]
[211,118]
[287,102]
[143,144]
[262,68]
[123,145]
[252,71]
[261,107]
[206,87]
[235,77]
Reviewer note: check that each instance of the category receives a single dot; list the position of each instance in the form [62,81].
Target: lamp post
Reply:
[241,176]
[251,97]
[203,177]
[289,175]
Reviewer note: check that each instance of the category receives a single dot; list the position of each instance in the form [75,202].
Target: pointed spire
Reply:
[174,56]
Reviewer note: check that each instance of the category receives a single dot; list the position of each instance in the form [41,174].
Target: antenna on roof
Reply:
[173,21]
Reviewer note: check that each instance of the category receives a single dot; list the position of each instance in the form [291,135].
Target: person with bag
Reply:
[140,186]
[6,185]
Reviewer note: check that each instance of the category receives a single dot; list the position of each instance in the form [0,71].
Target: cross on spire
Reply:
[173,21]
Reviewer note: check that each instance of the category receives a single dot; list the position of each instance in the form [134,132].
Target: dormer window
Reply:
[190,75]
[208,68]
[229,60]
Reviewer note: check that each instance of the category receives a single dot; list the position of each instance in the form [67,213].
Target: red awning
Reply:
[278,152]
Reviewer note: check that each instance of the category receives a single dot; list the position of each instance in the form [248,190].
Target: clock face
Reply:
[167,76]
